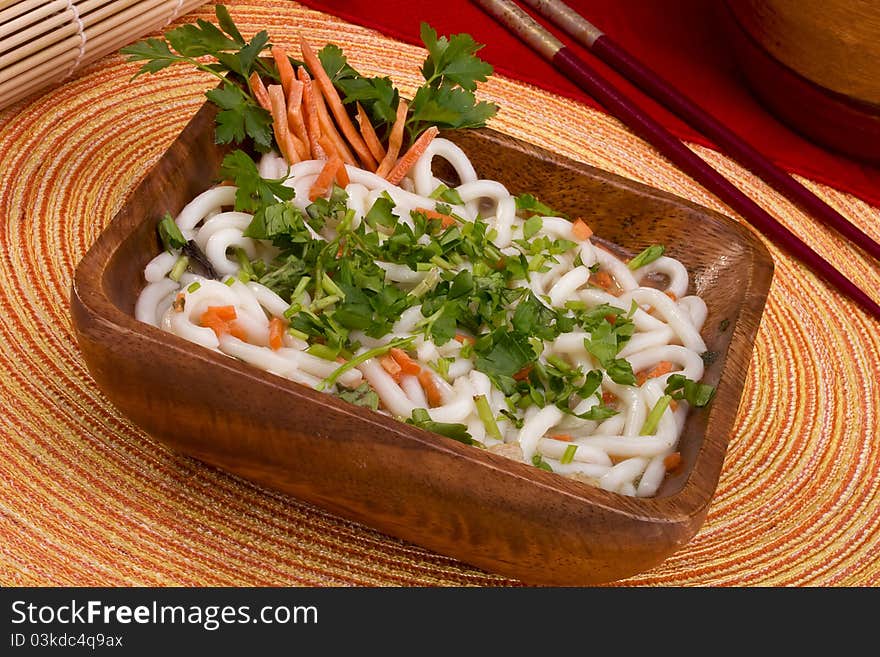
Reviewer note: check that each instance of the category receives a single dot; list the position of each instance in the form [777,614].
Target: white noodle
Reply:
[611,452]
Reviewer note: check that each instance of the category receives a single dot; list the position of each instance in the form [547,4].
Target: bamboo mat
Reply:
[88,499]
[43,42]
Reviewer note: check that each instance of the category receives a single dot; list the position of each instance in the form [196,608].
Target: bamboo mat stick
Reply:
[36,16]
[44,42]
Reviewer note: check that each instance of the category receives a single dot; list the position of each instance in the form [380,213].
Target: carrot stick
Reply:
[672,461]
[395,140]
[369,133]
[407,364]
[329,128]
[310,115]
[581,230]
[295,117]
[221,320]
[432,390]
[564,437]
[661,368]
[406,162]
[279,124]
[258,89]
[391,366]
[342,178]
[276,333]
[332,97]
[445,219]
[285,68]
[328,172]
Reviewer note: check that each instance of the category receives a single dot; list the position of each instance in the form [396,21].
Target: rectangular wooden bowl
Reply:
[481,508]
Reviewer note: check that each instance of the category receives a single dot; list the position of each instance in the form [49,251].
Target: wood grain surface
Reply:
[484,509]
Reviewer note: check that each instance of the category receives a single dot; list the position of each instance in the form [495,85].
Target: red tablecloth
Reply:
[682,39]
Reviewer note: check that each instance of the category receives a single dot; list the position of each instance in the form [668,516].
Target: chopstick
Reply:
[613,54]
[566,61]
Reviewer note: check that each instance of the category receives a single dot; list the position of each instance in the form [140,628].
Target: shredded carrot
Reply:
[276,333]
[461,337]
[445,220]
[673,405]
[407,364]
[611,318]
[221,320]
[523,374]
[295,118]
[328,128]
[432,390]
[608,398]
[369,134]
[279,124]
[341,173]
[603,279]
[408,159]
[391,366]
[672,461]
[310,114]
[325,178]
[581,230]
[332,97]
[562,436]
[285,68]
[395,140]
[258,89]
[671,295]
[661,368]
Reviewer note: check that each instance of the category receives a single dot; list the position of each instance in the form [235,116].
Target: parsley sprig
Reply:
[229,58]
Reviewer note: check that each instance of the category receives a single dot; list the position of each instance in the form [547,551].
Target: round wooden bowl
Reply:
[814,64]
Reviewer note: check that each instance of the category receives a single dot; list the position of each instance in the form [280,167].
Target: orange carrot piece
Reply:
[258,89]
[395,140]
[276,333]
[408,159]
[445,220]
[310,114]
[407,364]
[661,368]
[391,366]
[279,124]
[671,295]
[672,461]
[325,178]
[224,313]
[608,398]
[341,178]
[285,68]
[369,134]
[461,337]
[581,230]
[523,374]
[432,390]
[603,279]
[220,319]
[295,117]
[328,128]
[335,102]
[564,437]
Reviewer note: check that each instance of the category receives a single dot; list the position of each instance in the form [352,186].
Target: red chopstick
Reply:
[647,80]
[567,61]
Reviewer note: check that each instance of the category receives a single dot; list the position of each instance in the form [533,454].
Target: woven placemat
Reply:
[86,498]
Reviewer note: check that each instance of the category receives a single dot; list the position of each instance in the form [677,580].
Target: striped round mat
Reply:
[86,498]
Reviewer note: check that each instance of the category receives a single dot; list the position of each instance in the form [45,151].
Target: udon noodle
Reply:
[610,452]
